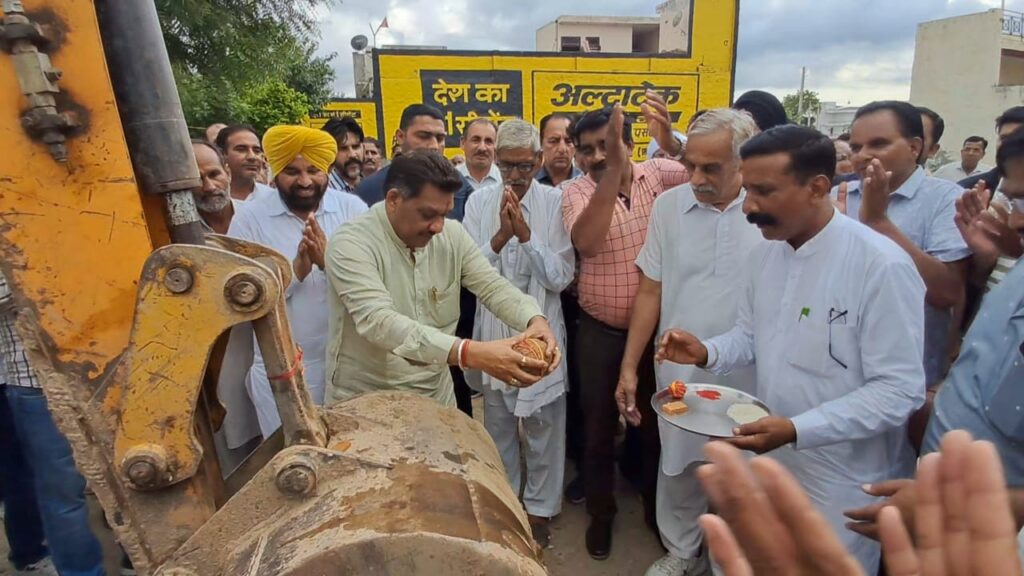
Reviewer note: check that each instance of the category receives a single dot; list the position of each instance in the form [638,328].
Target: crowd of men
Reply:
[872,306]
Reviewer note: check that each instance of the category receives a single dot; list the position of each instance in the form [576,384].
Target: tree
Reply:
[271,103]
[222,50]
[811,104]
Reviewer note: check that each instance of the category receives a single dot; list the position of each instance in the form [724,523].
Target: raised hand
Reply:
[659,123]
[618,153]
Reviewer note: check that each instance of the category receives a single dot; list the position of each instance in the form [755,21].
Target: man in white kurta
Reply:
[833,316]
[518,226]
[693,263]
[268,219]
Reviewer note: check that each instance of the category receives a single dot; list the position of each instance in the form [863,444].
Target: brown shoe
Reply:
[541,531]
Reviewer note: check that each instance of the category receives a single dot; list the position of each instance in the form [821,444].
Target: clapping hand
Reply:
[962,523]
[984,225]
[875,193]
[766,524]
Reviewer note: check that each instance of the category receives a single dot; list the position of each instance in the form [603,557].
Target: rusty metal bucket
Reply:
[405,487]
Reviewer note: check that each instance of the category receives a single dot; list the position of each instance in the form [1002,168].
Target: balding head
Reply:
[212,130]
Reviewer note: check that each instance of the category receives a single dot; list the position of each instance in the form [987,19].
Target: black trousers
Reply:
[467,311]
[600,349]
[573,413]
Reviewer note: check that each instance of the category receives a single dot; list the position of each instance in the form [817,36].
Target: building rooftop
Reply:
[605,20]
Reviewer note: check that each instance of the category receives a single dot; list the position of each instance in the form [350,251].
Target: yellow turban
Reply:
[282,144]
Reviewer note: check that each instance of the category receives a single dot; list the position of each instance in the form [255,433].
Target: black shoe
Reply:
[541,531]
[599,538]
[574,491]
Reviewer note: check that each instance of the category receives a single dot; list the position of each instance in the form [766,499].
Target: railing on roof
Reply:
[1013,23]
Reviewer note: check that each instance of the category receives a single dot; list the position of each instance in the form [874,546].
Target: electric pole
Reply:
[800,97]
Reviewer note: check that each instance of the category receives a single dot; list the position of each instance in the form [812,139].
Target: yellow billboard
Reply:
[363,111]
[466,85]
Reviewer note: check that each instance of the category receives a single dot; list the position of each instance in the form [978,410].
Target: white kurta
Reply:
[837,331]
[542,268]
[698,253]
[268,221]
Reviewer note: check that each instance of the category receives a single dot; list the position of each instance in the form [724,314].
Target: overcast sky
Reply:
[855,50]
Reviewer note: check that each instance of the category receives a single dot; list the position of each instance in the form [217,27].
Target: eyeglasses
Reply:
[833,317]
[522,167]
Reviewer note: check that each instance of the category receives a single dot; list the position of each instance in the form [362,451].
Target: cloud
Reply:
[855,51]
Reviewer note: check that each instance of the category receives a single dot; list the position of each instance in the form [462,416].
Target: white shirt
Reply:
[266,220]
[542,268]
[850,422]
[698,253]
[954,171]
[493,176]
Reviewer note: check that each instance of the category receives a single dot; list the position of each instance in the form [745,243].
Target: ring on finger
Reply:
[522,360]
[514,382]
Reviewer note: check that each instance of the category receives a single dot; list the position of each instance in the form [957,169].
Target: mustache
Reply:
[705,189]
[599,166]
[761,219]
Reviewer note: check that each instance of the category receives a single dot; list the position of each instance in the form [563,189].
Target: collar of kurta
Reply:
[381,213]
[690,201]
[276,206]
[812,246]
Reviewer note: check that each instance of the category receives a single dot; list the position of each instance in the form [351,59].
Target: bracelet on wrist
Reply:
[463,354]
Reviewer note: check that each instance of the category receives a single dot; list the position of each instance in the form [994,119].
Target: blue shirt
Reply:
[371,190]
[984,393]
[923,209]
[544,178]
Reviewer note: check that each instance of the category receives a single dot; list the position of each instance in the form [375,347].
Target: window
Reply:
[571,44]
[593,44]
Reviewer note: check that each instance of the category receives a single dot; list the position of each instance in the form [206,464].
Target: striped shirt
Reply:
[18,370]
[1003,266]
[608,282]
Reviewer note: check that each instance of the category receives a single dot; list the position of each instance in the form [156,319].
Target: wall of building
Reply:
[547,40]
[833,119]
[614,37]
[956,73]
[674,25]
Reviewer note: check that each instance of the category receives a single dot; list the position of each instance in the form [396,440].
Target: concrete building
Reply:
[667,32]
[969,69]
[833,119]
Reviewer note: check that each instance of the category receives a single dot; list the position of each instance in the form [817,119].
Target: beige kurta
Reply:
[393,310]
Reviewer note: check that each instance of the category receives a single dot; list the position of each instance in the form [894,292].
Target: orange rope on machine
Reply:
[295,369]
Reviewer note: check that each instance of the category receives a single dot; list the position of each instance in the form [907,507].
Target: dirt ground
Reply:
[634,546]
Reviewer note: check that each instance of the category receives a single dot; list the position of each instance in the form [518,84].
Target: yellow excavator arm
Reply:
[123,301]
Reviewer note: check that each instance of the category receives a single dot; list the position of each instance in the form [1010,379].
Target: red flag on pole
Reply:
[383,24]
